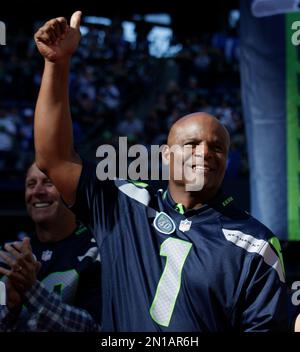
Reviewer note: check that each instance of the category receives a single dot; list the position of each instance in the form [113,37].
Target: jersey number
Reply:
[63,283]
[176,252]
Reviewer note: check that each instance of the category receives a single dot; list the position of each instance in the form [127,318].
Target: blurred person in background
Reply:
[56,273]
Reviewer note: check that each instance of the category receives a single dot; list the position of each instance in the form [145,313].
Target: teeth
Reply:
[42,205]
[200,168]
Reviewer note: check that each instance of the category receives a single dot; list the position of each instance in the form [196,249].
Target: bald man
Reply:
[183,259]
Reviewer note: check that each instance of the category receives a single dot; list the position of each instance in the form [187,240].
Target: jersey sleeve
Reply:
[265,299]
[95,199]
[88,293]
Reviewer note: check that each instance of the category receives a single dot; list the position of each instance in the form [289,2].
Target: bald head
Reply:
[197,138]
[192,124]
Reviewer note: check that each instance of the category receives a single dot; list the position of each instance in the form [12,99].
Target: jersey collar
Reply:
[179,208]
[219,201]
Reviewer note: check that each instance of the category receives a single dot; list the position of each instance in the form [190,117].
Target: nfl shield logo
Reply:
[185,225]
[46,255]
[163,223]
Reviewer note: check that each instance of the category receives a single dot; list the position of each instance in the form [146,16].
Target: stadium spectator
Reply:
[130,126]
[8,132]
[224,269]
[58,280]
[129,78]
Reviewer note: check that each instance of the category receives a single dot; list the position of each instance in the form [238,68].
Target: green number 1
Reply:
[63,283]
[176,252]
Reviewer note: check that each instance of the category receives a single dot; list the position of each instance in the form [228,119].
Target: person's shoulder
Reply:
[84,241]
[80,237]
[139,191]
[93,179]
[256,240]
[135,183]
[235,218]
[262,230]
[82,231]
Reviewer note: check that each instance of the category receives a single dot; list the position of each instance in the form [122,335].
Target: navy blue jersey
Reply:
[163,269]
[71,268]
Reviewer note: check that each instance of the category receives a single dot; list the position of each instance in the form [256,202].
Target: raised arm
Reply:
[55,155]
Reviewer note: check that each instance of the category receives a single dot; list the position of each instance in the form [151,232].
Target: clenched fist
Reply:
[56,40]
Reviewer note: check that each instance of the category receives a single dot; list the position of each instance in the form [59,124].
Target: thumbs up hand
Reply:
[57,40]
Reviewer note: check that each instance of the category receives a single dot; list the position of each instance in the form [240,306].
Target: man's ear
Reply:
[165,154]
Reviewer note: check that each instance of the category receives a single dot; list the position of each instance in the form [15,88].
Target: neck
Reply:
[190,200]
[54,231]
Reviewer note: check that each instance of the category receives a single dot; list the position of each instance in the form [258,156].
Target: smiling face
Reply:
[42,199]
[209,143]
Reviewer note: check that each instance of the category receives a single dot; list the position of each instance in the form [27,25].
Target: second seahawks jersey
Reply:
[71,268]
[211,269]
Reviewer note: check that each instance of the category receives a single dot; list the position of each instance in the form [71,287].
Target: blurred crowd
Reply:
[118,89]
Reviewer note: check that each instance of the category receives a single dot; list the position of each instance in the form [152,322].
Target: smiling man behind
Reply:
[54,277]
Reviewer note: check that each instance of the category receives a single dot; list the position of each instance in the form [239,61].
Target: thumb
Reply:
[75,20]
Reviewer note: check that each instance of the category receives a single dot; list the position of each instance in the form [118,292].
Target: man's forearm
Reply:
[53,124]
